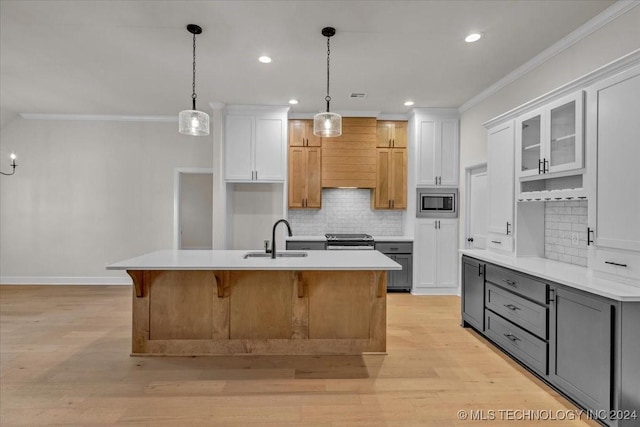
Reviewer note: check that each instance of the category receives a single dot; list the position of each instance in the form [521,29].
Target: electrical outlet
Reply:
[575,239]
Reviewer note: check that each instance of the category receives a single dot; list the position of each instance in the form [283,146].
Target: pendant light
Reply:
[193,122]
[327,124]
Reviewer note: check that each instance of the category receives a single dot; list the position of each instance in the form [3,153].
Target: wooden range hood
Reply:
[349,160]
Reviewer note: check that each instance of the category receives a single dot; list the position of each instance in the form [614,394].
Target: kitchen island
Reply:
[223,303]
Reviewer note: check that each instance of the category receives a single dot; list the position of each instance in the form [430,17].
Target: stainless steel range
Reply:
[336,241]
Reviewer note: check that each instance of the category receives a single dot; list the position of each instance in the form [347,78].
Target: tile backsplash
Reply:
[565,231]
[346,210]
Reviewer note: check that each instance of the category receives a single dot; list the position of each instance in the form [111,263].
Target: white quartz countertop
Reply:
[233,260]
[570,275]
[375,238]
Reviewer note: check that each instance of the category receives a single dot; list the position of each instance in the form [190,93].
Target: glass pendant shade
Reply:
[193,122]
[327,124]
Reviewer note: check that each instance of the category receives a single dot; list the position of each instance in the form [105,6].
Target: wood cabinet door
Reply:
[399,139]
[297,133]
[501,181]
[314,177]
[398,181]
[383,178]
[385,134]
[297,177]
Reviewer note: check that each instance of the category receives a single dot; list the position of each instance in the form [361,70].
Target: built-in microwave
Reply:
[437,203]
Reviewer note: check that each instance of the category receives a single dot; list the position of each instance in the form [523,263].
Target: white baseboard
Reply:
[56,280]
[435,291]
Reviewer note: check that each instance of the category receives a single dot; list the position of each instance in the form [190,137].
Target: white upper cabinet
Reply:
[255,145]
[500,147]
[437,147]
[550,138]
[613,141]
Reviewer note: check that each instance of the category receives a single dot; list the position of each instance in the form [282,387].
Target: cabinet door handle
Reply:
[435,224]
[439,180]
[497,242]
[480,269]
[389,143]
[552,295]
[512,337]
[511,307]
[589,234]
[436,183]
[546,165]
[510,282]
[615,263]
[540,166]
[508,225]
[393,204]
[393,142]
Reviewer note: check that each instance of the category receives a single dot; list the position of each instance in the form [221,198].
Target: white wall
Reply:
[618,38]
[88,193]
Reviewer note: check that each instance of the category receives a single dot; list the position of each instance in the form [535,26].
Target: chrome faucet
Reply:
[273,236]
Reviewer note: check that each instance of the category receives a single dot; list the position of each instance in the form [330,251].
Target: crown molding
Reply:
[611,13]
[630,60]
[100,117]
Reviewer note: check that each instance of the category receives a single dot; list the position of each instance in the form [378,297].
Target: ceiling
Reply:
[134,57]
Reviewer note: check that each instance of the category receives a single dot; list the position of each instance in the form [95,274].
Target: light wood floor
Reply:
[64,360]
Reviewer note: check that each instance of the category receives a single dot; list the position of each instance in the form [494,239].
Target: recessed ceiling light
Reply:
[293,101]
[408,103]
[264,59]
[473,37]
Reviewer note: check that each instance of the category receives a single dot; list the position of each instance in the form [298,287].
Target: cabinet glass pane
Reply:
[563,134]
[530,143]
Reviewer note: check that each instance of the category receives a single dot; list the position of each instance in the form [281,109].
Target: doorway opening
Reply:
[193,209]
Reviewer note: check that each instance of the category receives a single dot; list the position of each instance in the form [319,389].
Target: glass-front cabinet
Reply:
[550,139]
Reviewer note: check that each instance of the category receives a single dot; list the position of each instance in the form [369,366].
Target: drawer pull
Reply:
[497,242]
[510,282]
[511,307]
[512,337]
[615,263]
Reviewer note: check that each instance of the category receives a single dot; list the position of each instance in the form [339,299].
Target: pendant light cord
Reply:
[328,98]
[193,86]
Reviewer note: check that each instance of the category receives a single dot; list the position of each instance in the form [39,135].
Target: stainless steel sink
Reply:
[278,255]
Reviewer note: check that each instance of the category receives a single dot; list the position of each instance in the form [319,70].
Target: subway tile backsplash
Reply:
[565,231]
[346,210]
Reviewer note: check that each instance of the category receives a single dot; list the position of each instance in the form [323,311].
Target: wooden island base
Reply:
[233,312]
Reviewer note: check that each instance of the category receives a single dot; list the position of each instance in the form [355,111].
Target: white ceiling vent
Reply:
[358,95]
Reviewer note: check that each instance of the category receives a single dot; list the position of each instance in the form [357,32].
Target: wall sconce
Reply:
[13,165]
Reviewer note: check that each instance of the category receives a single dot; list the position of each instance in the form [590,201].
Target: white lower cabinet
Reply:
[436,254]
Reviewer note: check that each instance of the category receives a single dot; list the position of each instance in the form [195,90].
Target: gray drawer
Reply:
[518,283]
[532,351]
[306,245]
[529,315]
[395,247]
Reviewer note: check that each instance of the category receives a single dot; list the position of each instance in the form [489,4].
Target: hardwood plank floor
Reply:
[64,360]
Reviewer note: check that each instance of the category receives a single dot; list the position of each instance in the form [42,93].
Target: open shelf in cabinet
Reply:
[561,186]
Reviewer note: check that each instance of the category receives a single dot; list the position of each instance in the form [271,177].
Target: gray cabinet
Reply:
[584,345]
[306,245]
[402,253]
[581,346]
[473,292]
